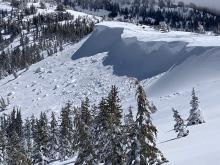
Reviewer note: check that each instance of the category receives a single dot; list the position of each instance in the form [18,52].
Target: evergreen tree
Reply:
[94,112]
[1,38]
[33,122]
[53,138]
[114,106]
[145,149]
[131,150]
[28,138]
[116,130]
[66,138]
[109,129]
[11,124]
[85,112]
[195,116]
[129,118]
[2,146]
[100,130]
[41,141]
[179,126]
[19,127]
[15,154]
[86,152]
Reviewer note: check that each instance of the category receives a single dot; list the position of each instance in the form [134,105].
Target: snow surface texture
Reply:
[5,6]
[189,60]
[50,83]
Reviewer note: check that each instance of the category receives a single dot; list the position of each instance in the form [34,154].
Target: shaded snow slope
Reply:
[169,65]
[142,58]
[194,70]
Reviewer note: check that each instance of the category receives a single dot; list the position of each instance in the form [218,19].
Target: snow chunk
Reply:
[39,70]
[56,87]
[11,93]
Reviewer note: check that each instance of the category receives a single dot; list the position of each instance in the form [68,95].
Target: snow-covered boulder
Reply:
[11,93]
[56,87]
[39,70]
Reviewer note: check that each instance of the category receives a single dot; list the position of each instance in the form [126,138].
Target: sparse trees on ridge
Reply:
[42,32]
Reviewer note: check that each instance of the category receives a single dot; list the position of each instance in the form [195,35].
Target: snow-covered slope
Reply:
[168,65]
[51,83]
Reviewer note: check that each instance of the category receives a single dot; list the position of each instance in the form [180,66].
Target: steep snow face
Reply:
[130,57]
[136,57]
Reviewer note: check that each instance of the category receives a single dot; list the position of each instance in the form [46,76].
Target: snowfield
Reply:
[168,65]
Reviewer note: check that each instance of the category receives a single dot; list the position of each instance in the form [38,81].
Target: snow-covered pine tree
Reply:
[10,127]
[147,152]
[33,122]
[66,137]
[179,126]
[28,141]
[107,130]
[19,127]
[53,138]
[94,111]
[1,38]
[114,106]
[131,149]
[14,151]
[85,112]
[114,152]
[84,145]
[129,118]
[195,116]
[99,130]
[2,144]
[41,141]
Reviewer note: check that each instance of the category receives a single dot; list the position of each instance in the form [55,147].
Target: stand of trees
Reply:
[195,117]
[92,134]
[46,33]
[151,12]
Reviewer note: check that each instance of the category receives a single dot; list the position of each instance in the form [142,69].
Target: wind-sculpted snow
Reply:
[133,58]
